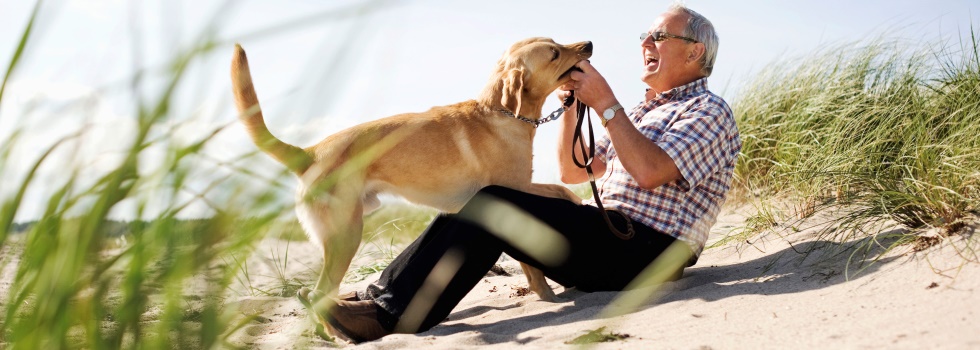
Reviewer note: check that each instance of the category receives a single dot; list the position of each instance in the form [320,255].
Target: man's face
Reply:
[666,63]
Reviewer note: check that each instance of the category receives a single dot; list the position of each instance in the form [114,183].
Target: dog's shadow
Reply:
[799,268]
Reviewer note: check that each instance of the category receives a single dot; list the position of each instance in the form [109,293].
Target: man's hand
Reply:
[643,159]
[562,92]
[570,173]
[591,88]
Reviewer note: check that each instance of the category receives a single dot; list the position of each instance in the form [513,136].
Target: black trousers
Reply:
[596,260]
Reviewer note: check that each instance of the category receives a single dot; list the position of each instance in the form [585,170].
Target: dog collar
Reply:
[554,115]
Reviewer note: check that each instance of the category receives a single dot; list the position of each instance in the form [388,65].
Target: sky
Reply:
[321,66]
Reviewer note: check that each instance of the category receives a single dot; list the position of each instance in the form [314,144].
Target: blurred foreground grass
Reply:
[75,278]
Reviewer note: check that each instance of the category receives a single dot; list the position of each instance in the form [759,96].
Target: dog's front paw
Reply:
[549,296]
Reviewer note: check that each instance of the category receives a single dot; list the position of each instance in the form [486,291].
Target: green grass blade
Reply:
[19,51]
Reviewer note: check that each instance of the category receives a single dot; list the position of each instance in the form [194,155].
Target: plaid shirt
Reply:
[696,128]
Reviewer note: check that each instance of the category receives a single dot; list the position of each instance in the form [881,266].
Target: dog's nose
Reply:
[588,47]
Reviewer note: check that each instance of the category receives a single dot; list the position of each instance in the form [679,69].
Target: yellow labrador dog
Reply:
[438,158]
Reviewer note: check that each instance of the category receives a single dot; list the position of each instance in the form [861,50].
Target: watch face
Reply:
[610,112]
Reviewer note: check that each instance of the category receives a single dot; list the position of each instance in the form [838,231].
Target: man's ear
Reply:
[513,90]
[697,51]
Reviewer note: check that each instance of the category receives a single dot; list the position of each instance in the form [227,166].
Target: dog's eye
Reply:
[555,54]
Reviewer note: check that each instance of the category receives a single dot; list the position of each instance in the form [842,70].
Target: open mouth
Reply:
[651,60]
[569,72]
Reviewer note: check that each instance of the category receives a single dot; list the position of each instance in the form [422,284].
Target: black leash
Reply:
[582,113]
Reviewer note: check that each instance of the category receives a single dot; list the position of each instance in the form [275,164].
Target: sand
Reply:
[740,296]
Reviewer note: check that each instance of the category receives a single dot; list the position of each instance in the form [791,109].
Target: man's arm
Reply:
[646,162]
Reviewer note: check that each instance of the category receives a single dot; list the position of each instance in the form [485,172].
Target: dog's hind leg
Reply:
[334,223]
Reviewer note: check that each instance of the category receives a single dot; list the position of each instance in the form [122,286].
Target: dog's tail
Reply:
[295,158]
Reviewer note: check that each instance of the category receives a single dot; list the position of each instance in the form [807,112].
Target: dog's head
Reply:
[532,69]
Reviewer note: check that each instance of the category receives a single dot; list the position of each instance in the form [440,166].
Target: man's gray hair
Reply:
[700,28]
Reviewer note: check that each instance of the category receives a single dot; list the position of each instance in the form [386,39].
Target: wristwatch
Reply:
[609,113]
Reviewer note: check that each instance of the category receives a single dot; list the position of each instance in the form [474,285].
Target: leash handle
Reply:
[567,102]
[582,113]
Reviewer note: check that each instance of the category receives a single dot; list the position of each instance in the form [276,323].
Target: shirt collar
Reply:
[693,88]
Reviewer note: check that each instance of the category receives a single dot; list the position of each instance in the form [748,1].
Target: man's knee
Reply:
[493,193]
[501,192]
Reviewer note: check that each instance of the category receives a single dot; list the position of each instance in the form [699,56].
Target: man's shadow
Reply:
[801,267]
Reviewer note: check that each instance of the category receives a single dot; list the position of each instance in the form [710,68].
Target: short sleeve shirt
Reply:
[696,128]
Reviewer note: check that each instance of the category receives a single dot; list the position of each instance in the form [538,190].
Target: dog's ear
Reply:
[513,90]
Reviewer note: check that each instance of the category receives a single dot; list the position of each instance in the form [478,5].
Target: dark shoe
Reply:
[307,297]
[349,296]
[358,320]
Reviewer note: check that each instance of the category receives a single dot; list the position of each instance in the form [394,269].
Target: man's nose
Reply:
[647,41]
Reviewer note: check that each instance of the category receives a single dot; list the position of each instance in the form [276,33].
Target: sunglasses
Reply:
[662,36]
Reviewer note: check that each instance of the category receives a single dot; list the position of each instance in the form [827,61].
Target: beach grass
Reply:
[883,135]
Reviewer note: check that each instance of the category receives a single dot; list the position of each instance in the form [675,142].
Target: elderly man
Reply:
[666,166]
